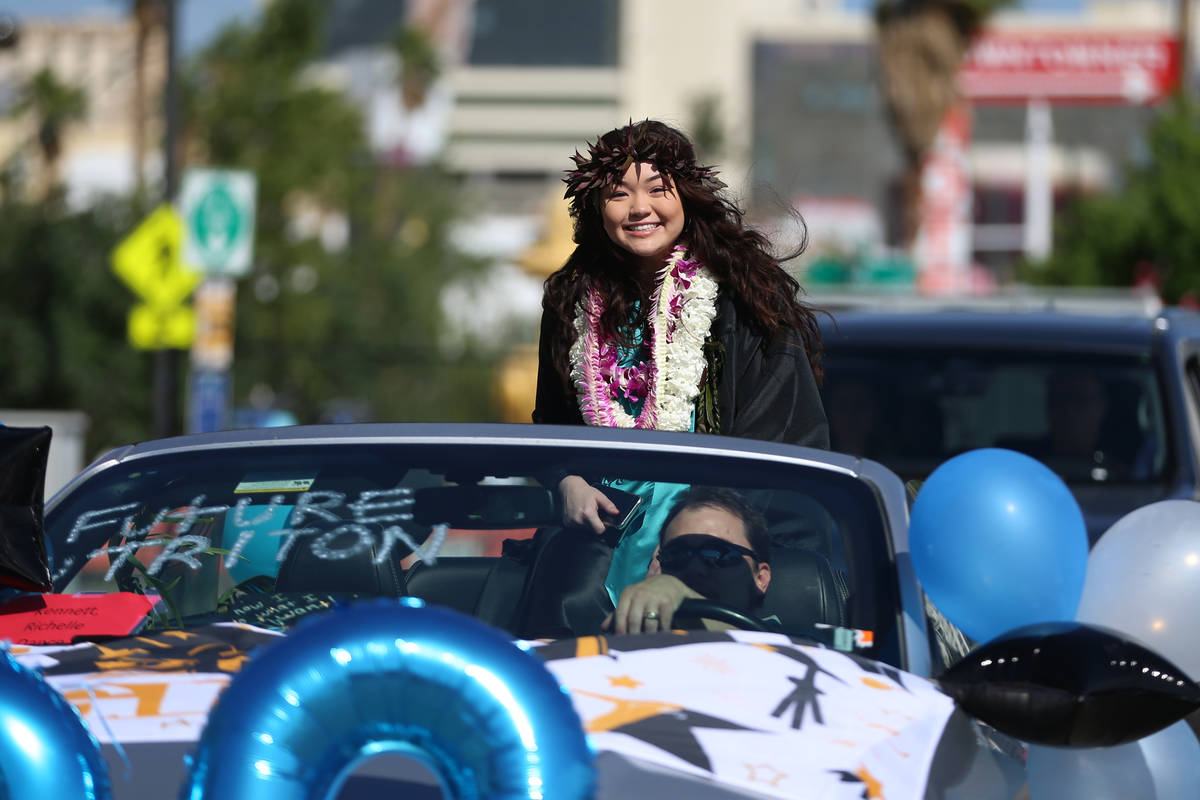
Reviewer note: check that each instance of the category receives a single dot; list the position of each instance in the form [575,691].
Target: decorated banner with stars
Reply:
[758,711]
[154,688]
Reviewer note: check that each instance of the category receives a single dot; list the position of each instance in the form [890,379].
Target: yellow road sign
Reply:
[156,328]
[149,261]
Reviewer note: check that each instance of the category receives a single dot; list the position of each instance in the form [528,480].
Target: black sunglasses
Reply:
[714,552]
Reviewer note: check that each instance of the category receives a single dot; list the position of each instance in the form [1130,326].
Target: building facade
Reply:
[118,143]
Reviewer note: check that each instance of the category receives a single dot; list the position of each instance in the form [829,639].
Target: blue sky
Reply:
[198,21]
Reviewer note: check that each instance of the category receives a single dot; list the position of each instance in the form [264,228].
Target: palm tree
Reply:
[921,44]
[54,106]
[420,65]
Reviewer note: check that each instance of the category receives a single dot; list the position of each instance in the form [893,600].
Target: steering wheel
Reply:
[721,612]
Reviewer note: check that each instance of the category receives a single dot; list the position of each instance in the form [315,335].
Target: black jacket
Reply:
[764,391]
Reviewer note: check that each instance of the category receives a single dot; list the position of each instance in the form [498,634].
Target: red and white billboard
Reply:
[1070,67]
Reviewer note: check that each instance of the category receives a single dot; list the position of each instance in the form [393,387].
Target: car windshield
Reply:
[1093,420]
[263,534]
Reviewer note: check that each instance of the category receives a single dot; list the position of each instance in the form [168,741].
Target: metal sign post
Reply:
[218,209]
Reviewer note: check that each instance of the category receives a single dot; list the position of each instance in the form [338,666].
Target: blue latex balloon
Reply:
[46,749]
[484,715]
[998,541]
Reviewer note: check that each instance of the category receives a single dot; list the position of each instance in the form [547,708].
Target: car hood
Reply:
[734,714]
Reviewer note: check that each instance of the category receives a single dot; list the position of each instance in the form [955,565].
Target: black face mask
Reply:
[714,568]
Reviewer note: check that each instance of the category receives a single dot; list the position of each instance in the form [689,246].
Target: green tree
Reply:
[63,319]
[1150,224]
[358,321]
[419,65]
[921,45]
[63,312]
[706,129]
[54,106]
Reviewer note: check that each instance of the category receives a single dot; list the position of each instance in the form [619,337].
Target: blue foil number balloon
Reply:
[430,683]
[46,750]
[998,541]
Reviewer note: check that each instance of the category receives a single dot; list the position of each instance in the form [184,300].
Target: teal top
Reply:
[631,558]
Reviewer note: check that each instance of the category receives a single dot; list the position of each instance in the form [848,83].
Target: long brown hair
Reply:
[714,229]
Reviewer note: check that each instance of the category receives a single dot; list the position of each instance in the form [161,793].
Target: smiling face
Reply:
[643,215]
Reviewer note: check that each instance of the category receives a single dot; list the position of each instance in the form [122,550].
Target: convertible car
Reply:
[177,566]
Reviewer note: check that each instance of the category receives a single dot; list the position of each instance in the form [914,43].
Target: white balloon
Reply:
[1173,756]
[1143,579]
[1162,766]
[1105,773]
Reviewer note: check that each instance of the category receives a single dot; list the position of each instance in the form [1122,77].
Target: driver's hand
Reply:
[583,504]
[658,595]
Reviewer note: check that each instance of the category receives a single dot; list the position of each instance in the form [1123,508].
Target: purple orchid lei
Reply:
[668,380]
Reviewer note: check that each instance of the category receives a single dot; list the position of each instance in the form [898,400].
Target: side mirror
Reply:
[23,453]
[1069,684]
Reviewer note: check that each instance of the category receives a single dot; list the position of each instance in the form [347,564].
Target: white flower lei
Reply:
[677,334]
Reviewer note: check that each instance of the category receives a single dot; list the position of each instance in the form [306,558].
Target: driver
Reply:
[712,545]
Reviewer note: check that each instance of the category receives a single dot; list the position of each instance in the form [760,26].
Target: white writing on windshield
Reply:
[373,524]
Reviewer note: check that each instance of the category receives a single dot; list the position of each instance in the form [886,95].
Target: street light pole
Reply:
[166,392]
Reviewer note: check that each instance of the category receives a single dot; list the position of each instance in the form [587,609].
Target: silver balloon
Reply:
[1104,773]
[1173,756]
[1163,766]
[1143,579]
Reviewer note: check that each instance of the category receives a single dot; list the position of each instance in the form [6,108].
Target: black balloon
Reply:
[1068,684]
[23,454]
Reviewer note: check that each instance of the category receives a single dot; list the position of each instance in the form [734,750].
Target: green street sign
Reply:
[218,209]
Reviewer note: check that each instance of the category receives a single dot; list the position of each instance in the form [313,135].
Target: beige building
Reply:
[120,137]
[669,55]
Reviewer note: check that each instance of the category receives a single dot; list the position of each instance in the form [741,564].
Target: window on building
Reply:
[544,33]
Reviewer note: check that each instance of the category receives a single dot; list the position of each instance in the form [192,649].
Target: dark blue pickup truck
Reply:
[1105,393]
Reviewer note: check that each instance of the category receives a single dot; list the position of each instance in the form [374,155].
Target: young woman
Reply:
[671,314]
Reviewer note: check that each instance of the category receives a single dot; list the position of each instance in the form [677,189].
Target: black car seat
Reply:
[486,587]
[1122,432]
[302,570]
[803,590]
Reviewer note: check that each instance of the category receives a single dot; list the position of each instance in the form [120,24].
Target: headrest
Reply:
[304,571]
[803,590]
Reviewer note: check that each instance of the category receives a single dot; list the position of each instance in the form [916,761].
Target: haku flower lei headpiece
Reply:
[681,313]
[604,165]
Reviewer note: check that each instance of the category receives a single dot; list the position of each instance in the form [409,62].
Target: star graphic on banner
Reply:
[882,727]
[804,690]
[872,787]
[804,693]
[873,784]
[875,668]
[667,726]
[624,681]
[710,662]
[675,733]
[765,773]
